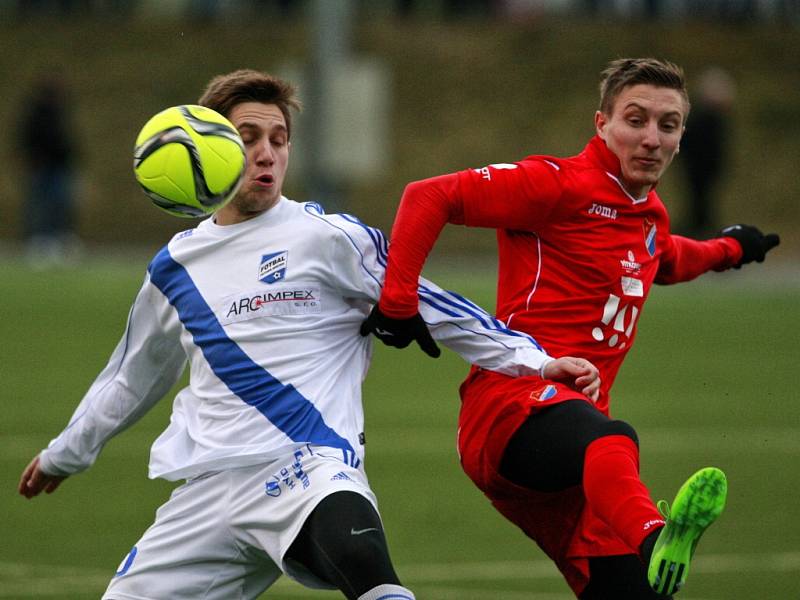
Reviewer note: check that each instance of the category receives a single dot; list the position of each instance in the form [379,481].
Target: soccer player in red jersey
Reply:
[581,241]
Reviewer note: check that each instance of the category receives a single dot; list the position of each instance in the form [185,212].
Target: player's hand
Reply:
[578,373]
[34,481]
[755,244]
[399,333]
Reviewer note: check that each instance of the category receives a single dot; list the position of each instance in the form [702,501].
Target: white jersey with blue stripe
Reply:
[267,313]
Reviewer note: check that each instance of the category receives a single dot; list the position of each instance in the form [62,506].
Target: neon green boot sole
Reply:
[697,505]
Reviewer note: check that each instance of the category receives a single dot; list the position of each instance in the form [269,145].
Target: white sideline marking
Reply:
[27,580]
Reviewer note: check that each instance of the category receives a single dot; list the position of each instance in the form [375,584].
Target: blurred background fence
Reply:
[426,88]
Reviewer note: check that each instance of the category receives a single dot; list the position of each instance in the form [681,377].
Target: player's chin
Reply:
[645,179]
[254,201]
[650,175]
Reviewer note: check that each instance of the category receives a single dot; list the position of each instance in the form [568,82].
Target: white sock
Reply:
[387,592]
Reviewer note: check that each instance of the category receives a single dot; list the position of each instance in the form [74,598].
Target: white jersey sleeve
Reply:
[146,363]
[359,262]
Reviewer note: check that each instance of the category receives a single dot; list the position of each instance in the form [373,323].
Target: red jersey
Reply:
[577,254]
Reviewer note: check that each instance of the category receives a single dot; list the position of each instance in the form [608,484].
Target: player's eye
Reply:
[246,135]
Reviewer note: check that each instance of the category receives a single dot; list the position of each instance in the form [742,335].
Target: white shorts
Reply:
[224,535]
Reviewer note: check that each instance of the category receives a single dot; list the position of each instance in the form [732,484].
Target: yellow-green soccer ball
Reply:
[189,160]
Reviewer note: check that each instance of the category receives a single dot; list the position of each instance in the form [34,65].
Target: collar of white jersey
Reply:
[269,217]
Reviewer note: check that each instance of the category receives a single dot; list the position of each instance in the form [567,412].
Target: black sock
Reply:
[646,548]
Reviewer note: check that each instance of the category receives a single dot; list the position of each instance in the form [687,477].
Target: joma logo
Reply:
[603,211]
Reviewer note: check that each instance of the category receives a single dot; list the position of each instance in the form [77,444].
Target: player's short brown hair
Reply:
[625,72]
[247,85]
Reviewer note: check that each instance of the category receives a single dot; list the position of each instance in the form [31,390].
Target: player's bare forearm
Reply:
[578,373]
[34,481]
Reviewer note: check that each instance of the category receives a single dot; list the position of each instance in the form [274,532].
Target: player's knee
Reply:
[362,564]
[615,427]
[368,550]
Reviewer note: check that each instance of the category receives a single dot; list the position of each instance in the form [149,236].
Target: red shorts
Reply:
[493,407]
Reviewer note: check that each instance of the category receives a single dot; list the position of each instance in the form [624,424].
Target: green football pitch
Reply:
[712,380]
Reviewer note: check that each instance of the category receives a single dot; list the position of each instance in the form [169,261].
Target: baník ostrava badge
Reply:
[649,228]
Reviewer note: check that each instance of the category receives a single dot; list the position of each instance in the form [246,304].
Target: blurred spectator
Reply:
[48,150]
[704,149]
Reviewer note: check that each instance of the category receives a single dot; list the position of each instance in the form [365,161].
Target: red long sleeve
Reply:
[425,208]
[687,258]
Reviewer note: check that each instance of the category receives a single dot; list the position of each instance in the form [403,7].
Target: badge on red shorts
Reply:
[545,393]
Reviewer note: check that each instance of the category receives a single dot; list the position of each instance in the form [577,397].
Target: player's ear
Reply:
[600,121]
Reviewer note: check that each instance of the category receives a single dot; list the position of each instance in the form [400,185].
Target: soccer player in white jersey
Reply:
[264,301]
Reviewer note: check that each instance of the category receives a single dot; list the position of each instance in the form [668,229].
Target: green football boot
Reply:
[696,506]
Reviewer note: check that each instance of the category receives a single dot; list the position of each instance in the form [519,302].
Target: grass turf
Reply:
[710,382]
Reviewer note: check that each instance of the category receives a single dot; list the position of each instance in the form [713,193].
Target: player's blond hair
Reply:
[625,72]
[224,92]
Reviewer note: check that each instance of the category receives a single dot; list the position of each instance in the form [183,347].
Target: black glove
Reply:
[755,244]
[399,333]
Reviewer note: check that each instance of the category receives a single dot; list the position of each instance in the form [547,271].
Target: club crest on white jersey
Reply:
[273,267]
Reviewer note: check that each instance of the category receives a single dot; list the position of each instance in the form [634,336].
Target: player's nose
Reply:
[263,153]
[651,137]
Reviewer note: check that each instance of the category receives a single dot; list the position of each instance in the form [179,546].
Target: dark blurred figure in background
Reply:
[48,150]
[704,149]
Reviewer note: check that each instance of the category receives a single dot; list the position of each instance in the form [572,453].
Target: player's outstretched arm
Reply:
[399,333]
[358,262]
[34,481]
[480,339]
[578,373]
[755,244]
[147,361]
[684,258]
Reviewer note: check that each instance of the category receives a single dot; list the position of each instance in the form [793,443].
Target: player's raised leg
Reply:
[697,505]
